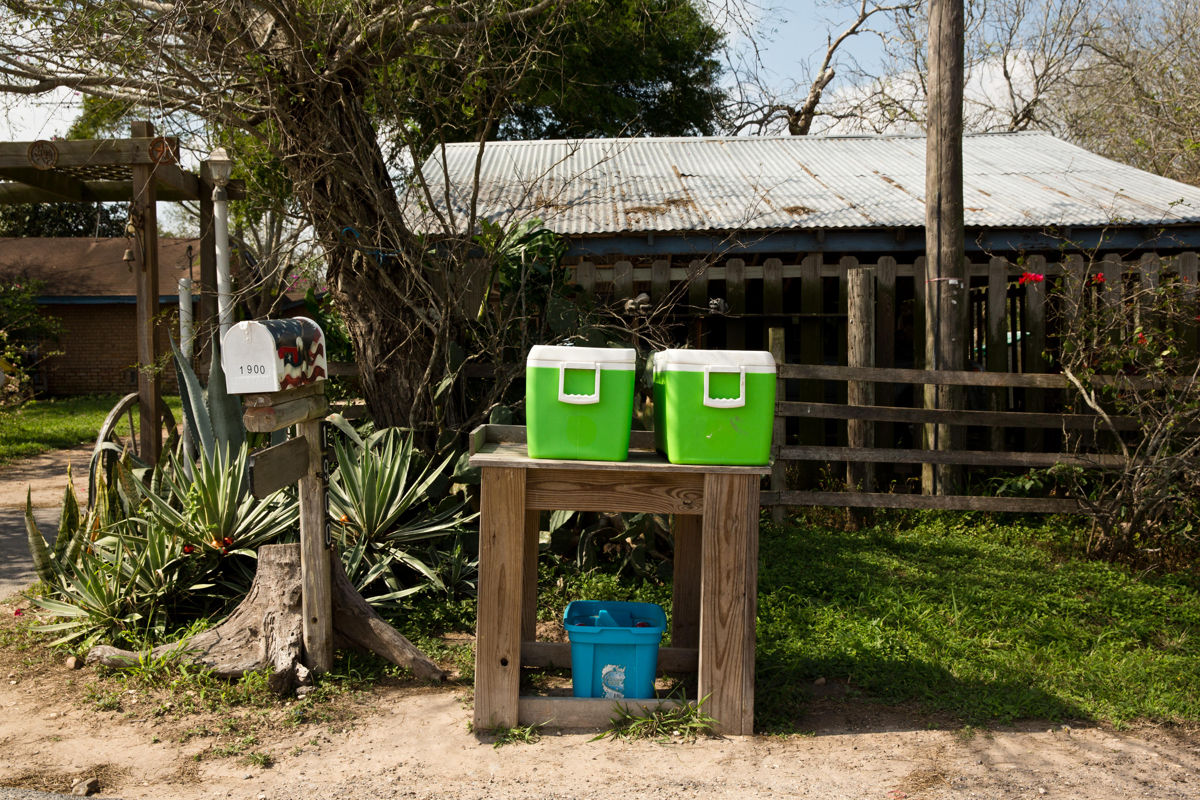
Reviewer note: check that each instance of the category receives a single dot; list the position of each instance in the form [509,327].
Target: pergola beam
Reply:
[89,152]
[63,186]
[110,191]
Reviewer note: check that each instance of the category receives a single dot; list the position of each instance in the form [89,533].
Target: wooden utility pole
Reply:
[860,475]
[945,277]
[145,219]
[207,324]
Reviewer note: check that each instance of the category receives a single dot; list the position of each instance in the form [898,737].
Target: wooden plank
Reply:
[557,655]
[517,455]
[266,400]
[64,186]
[597,490]
[922,376]
[952,417]
[660,281]
[501,583]
[530,593]
[687,531]
[273,418]
[777,344]
[997,344]
[581,713]
[698,275]
[984,458]
[845,264]
[920,362]
[317,600]
[812,300]
[860,475]
[1035,345]
[206,325]
[750,513]
[772,279]
[730,544]
[516,434]
[272,468]
[585,278]
[1187,264]
[144,213]
[622,280]
[954,503]
[885,340]
[92,152]
[184,183]
[340,369]
[735,296]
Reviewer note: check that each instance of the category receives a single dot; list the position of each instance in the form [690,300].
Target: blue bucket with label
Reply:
[614,647]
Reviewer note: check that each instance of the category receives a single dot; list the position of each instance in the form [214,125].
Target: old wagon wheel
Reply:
[122,426]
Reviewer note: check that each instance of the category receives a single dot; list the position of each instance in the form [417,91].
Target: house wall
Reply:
[98,350]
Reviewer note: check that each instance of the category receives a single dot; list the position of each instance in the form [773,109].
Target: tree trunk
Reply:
[264,632]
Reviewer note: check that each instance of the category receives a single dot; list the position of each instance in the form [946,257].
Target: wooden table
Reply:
[715,584]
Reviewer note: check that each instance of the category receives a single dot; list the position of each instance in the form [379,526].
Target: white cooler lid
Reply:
[555,356]
[696,360]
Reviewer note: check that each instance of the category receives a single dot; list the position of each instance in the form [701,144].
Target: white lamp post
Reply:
[186,327]
[221,166]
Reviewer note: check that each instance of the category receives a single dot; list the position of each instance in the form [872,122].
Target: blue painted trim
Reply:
[856,240]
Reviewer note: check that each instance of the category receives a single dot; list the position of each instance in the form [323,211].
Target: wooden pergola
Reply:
[143,169]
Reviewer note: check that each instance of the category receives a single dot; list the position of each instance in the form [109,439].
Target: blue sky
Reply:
[795,31]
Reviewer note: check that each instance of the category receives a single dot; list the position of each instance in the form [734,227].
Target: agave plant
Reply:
[381,494]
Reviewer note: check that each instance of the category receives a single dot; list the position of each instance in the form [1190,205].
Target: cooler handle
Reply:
[725,402]
[577,399]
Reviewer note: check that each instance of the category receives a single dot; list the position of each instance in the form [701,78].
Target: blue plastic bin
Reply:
[614,647]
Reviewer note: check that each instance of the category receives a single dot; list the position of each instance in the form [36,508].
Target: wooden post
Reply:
[501,579]
[778,347]
[924,433]
[860,475]
[660,281]
[845,264]
[529,596]
[772,286]
[885,342]
[1187,278]
[1035,345]
[314,553]
[946,295]
[685,582]
[997,342]
[585,279]
[698,287]
[812,431]
[735,295]
[145,215]
[207,324]
[622,280]
[728,602]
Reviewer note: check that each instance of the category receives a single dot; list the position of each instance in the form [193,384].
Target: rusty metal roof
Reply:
[612,186]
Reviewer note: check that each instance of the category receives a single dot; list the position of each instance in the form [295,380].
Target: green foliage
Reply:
[622,68]
[23,327]
[73,220]
[502,735]
[212,417]
[973,617]
[683,723]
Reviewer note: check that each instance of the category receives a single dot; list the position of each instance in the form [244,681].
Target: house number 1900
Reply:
[253,369]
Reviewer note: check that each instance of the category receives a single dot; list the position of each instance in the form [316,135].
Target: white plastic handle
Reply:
[578,399]
[722,402]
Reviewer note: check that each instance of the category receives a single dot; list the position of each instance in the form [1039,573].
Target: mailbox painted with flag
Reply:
[273,355]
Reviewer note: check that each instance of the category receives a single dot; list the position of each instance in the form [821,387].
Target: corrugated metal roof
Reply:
[609,186]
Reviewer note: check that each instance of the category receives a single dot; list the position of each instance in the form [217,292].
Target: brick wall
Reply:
[99,349]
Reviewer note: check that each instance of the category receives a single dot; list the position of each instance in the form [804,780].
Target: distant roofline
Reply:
[746,138]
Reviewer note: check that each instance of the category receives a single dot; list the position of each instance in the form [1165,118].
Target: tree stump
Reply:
[264,631]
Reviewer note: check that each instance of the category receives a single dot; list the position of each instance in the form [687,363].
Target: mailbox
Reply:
[273,355]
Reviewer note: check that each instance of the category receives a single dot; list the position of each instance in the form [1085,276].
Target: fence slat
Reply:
[956,417]
[978,458]
[924,376]
[885,340]
[1035,345]
[660,281]
[622,280]
[585,278]
[772,286]
[997,344]
[735,296]
[777,342]
[698,288]
[860,347]
[845,264]
[915,501]
[812,432]
[1187,263]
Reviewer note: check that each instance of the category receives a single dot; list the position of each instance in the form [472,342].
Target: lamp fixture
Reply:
[220,165]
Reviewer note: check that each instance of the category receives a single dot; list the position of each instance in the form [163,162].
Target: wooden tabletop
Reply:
[516,454]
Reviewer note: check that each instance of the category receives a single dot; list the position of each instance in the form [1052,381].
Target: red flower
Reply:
[228,541]
[1098,278]
[1030,277]
[1141,338]
[18,612]
[188,549]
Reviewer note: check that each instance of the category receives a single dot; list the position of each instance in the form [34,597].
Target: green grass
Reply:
[41,425]
[975,618]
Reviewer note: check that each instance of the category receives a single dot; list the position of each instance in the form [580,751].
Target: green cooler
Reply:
[714,406]
[579,402]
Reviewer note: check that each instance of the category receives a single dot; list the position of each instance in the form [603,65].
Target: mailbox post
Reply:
[280,367]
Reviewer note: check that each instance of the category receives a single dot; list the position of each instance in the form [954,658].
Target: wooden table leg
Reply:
[529,596]
[685,599]
[501,580]
[728,600]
